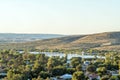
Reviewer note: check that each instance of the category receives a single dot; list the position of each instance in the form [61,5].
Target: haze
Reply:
[59,16]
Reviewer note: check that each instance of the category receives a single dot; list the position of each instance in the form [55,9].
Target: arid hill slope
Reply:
[101,41]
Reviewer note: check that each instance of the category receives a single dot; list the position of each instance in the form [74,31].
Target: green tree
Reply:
[79,75]
[105,77]
[44,74]
[91,68]
[58,70]
[37,68]
[102,70]
[75,61]
[10,74]
[70,70]
[13,76]
[79,67]
[113,78]
[50,64]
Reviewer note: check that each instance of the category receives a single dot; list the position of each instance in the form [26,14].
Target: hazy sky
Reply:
[59,16]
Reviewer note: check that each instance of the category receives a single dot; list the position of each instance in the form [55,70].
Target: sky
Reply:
[59,16]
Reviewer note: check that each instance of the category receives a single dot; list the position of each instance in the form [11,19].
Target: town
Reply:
[26,65]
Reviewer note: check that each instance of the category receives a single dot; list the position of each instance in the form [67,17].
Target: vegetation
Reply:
[41,67]
[79,75]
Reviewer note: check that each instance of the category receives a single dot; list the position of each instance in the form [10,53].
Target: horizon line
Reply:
[56,33]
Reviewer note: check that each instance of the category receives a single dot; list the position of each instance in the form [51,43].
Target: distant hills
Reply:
[100,41]
[14,38]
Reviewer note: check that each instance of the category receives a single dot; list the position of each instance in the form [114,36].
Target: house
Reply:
[114,73]
[66,76]
[86,63]
[92,76]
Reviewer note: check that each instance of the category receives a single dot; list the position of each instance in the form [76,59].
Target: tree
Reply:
[76,61]
[10,74]
[37,78]
[91,68]
[13,76]
[79,75]
[44,74]
[105,77]
[79,67]
[48,78]
[50,64]
[37,68]
[119,67]
[70,70]
[113,78]
[17,77]
[102,70]
[59,70]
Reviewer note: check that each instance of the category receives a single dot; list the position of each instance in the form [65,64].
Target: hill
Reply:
[101,41]
[16,38]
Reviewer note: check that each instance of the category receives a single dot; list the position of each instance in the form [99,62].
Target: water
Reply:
[69,55]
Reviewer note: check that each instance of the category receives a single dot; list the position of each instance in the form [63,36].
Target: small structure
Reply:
[83,53]
[66,76]
[114,73]
[53,78]
[86,63]
[92,76]
[2,73]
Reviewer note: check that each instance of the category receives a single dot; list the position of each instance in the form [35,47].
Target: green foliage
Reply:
[79,75]
[70,70]
[91,68]
[44,74]
[37,78]
[50,64]
[58,70]
[75,61]
[13,76]
[105,77]
[39,67]
[113,78]
[79,67]
[102,70]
